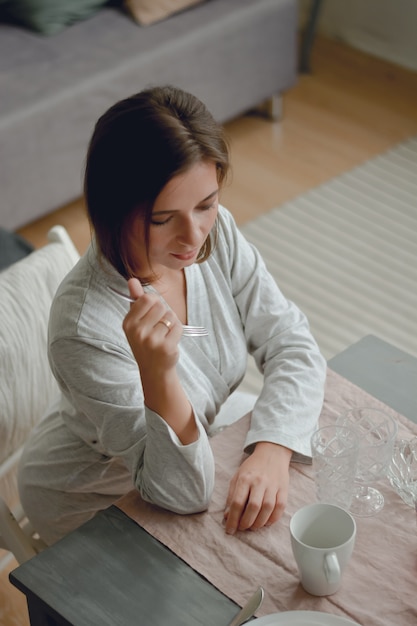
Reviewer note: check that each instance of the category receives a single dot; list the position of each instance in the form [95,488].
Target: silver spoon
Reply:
[251,606]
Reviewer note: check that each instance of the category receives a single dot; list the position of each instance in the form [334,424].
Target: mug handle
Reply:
[332,568]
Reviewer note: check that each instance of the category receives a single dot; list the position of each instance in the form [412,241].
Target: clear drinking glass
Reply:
[377,431]
[402,472]
[334,451]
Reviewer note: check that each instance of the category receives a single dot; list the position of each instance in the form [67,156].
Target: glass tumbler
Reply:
[402,472]
[335,451]
[377,431]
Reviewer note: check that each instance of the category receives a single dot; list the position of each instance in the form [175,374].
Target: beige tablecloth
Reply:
[379,586]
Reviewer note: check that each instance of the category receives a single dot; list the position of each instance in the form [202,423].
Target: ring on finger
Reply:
[167,323]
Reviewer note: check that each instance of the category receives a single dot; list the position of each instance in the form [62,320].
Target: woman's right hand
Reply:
[152,330]
[155,348]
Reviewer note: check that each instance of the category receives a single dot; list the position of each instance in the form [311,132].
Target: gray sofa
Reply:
[233,54]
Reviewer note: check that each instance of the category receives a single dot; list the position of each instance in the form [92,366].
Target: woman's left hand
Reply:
[258,491]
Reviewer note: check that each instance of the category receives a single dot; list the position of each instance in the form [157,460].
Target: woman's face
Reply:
[182,217]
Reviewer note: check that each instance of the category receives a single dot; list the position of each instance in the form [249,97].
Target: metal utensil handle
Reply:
[249,608]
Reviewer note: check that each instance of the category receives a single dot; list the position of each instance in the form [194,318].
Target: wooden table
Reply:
[111,571]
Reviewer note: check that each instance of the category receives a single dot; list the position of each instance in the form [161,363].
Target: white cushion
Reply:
[26,382]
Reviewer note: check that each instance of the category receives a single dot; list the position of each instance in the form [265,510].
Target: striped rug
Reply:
[346,253]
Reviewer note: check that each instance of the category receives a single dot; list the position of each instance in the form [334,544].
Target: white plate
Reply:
[303,618]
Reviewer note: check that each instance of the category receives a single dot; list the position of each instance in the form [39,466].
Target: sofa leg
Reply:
[271,108]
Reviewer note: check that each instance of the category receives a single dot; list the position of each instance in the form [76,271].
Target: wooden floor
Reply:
[350,108]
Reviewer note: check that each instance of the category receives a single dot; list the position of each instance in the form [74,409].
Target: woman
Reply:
[138,397]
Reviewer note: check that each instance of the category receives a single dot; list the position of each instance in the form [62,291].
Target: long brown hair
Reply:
[137,146]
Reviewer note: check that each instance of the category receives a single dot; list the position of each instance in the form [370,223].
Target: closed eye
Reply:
[161,222]
[207,207]
[201,207]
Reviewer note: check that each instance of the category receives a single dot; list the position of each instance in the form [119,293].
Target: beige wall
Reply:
[384,28]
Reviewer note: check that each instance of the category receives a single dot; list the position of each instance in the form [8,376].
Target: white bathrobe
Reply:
[100,441]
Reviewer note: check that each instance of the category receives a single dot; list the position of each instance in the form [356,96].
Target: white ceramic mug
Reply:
[322,540]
